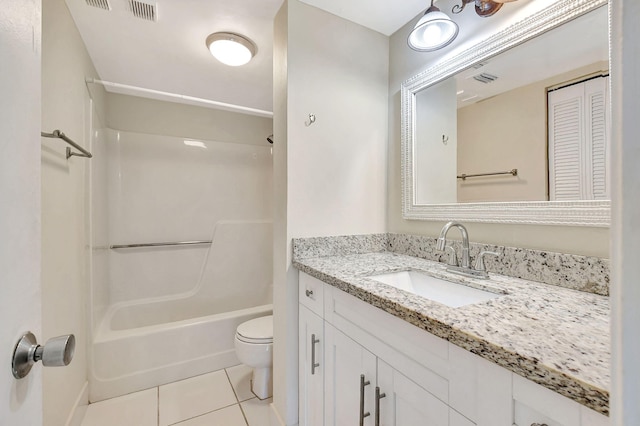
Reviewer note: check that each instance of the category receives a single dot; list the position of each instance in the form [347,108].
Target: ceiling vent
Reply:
[485,78]
[143,9]
[102,4]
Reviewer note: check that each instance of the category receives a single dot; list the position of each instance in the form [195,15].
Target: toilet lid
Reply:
[258,329]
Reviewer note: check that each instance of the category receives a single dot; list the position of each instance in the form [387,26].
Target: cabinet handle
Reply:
[363,383]
[538,424]
[309,293]
[379,396]
[314,364]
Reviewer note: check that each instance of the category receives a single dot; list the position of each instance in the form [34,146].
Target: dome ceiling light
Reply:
[433,31]
[231,49]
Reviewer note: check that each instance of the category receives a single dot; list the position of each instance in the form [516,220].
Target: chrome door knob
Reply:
[57,352]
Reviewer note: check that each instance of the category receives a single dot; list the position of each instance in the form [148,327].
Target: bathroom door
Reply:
[20,289]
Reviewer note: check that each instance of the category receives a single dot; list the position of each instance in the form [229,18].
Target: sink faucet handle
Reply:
[480,266]
[453,258]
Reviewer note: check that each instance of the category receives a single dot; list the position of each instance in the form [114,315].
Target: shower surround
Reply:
[168,312]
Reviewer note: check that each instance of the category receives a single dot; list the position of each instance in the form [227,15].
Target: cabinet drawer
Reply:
[536,404]
[311,293]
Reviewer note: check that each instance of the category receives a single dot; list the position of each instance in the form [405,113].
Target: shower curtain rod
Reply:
[184,98]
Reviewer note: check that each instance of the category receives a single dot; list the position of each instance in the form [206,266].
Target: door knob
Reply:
[57,352]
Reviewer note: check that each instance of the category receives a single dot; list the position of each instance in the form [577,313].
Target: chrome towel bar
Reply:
[512,172]
[58,134]
[173,243]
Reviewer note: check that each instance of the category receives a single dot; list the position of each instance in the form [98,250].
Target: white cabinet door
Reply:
[536,404]
[479,389]
[350,380]
[407,404]
[311,364]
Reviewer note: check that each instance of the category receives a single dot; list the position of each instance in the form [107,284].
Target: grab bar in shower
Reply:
[58,134]
[173,243]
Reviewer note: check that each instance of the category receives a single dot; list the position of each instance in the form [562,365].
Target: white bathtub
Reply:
[128,360]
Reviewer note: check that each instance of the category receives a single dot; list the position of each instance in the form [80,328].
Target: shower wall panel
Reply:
[164,189]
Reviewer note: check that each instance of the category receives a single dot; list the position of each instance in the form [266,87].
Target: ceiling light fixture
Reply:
[433,31]
[231,49]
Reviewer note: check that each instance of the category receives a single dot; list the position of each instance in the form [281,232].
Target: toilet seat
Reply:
[256,331]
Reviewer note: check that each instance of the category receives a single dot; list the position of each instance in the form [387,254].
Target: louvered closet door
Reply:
[579,141]
[566,135]
[596,95]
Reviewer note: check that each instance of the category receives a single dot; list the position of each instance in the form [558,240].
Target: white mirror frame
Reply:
[571,213]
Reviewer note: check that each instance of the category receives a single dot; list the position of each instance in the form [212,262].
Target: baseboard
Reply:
[79,407]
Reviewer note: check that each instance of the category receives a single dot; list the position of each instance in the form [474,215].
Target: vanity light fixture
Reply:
[484,8]
[433,31]
[231,49]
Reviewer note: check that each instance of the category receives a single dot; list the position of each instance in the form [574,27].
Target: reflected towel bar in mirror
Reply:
[174,243]
[512,172]
[58,134]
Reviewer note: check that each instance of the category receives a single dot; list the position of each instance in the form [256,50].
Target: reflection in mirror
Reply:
[540,108]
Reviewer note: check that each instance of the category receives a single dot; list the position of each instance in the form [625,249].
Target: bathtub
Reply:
[128,359]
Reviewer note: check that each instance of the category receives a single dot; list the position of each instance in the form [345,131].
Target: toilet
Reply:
[254,348]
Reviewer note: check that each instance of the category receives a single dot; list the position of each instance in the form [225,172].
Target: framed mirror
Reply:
[515,129]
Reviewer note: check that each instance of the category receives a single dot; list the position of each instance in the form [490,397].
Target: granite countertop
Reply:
[556,337]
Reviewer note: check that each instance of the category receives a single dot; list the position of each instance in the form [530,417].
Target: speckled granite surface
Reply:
[590,274]
[553,336]
[304,248]
[584,273]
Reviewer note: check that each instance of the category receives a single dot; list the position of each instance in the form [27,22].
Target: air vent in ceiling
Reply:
[143,9]
[102,4]
[485,78]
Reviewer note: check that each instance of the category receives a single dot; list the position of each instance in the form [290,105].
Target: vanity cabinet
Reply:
[362,389]
[420,379]
[311,367]
[311,341]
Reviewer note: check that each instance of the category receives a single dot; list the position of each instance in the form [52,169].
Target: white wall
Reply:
[65,278]
[335,177]
[436,162]
[285,312]
[405,63]
[20,296]
[625,231]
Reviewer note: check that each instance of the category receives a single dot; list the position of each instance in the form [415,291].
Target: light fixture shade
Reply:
[433,31]
[231,49]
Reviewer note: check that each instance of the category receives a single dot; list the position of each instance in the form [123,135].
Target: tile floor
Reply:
[221,398]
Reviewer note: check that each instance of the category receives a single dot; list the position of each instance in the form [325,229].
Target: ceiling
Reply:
[581,42]
[170,55]
[384,16]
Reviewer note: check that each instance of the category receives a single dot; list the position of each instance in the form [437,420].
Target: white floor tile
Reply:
[257,411]
[229,416]
[240,377]
[195,396]
[135,409]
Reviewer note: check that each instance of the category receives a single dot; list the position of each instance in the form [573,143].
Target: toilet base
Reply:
[262,382]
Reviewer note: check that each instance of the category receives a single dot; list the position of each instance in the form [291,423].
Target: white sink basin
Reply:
[436,289]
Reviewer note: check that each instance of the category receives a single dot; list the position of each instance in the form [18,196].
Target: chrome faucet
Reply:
[465,266]
[442,242]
